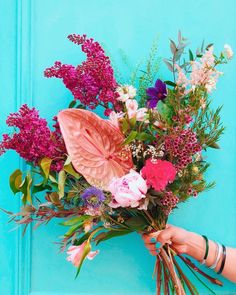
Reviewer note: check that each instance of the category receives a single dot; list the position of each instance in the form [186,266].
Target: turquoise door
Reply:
[32,36]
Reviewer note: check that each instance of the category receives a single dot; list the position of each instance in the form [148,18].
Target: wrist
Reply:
[195,246]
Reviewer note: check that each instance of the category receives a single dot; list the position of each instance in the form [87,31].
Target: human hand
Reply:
[175,236]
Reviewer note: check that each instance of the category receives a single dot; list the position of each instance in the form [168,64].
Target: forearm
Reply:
[196,247]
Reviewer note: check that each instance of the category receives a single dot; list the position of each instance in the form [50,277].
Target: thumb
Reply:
[165,236]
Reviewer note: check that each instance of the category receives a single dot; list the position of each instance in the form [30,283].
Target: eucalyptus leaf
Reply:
[169,65]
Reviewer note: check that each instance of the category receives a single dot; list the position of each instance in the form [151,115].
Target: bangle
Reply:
[207,250]
[223,261]
[218,255]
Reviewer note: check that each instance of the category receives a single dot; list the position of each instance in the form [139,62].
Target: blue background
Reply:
[32,36]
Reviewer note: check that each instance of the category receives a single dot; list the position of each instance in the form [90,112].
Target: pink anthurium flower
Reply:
[95,146]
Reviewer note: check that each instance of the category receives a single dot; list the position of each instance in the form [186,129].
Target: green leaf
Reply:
[45,165]
[40,187]
[25,188]
[61,183]
[209,45]
[54,198]
[86,251]
[15,181]
[132,122]
[143,136]
[76,220]
[110,234]
[83,238]
[131,137]
[191,57]
[170,83]
[125,126]
[73,229]
[214,145]
[52,178]
[70,170]
[72,104]
[136,223]
[164,110]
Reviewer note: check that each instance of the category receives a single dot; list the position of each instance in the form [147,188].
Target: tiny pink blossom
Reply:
[76,254]
[128,190]
[115,117]
[141,114]
[132,107]
[134,112]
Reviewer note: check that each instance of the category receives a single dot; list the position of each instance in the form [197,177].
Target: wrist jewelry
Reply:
[223,261]
[218,255]
[207,250]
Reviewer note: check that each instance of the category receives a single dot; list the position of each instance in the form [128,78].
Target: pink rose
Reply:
[76,254]
[158,173]
[128,190]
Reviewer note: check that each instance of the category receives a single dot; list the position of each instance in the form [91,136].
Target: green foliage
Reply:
[106,235]
[20,184]
[208,126]
[15,181]
[86,251]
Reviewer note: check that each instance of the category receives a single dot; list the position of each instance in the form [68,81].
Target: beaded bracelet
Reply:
[207,249]
[223,261]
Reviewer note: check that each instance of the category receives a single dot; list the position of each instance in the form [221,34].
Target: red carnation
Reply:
[158,173]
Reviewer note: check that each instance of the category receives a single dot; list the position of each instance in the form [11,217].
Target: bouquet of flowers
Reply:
[126,173]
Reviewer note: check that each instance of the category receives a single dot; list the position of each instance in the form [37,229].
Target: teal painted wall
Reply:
[32,36]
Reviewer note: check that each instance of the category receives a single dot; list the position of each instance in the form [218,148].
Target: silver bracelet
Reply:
[219,253]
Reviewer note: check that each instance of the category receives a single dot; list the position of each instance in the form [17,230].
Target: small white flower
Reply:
[228,52]
[126,92]
[131,91]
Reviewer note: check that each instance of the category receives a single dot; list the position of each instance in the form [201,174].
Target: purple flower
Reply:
[159,92]
[93,197]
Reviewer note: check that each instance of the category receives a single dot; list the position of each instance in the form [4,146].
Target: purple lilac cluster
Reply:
[182,145]
[93,81]
[34,140]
